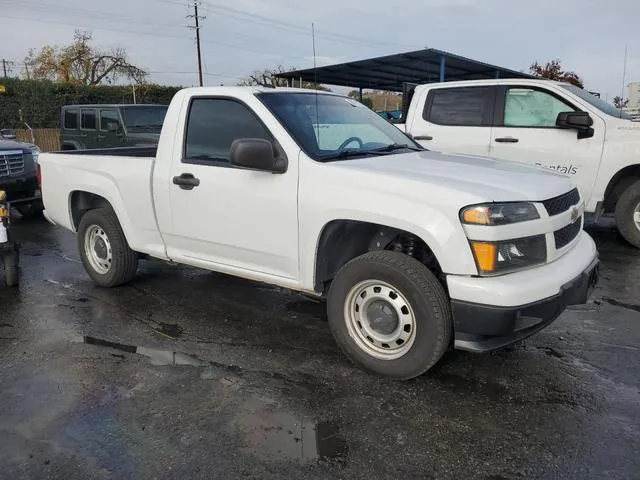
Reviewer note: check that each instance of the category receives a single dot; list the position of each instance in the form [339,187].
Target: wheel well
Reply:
[618,184]
[82,202]
[344,240]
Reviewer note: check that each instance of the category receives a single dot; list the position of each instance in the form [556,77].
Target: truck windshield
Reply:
[596,102]
[144,118]
[331,127]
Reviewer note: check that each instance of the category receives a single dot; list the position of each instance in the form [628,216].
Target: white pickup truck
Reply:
[541,122]
[414,252]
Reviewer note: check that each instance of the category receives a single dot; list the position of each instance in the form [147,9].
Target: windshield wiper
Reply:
[347,154]
[396,146]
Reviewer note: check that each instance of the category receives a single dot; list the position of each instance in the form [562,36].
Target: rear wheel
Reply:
[628,214]
[389,314]
[104,250]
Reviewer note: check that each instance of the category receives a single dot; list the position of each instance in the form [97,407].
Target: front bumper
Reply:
[19,186]
[479,327]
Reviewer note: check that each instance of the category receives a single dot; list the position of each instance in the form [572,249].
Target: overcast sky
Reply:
[238,36]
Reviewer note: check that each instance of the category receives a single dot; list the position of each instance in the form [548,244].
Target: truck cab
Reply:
[109,126]
[548,124]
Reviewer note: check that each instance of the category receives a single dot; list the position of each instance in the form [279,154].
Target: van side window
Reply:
[212,126]
[71,119]
[526,107]
[461,106]
[87,119]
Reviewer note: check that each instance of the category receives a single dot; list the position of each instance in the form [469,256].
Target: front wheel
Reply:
[104,250]
[628,214]
[389,314]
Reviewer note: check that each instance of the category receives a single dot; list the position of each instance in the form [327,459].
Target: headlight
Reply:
[499,213]
[508,255]
[35,153]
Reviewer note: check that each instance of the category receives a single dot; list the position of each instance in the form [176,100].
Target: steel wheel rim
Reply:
[636,216]
[360,301]
[97,249]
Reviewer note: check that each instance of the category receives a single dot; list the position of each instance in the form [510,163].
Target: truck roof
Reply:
[113,105]
[495,81]
[252,88]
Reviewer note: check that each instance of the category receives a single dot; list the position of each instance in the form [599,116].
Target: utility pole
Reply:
[4,67]
[197,19]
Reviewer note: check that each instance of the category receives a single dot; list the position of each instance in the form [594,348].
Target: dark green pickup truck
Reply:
[108,126]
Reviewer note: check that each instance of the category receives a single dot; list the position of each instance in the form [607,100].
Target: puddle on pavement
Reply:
[157,357]
[171,330]
[276,435]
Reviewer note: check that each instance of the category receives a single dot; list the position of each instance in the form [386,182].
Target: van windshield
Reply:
[601,105]
[331,127]
[144,118]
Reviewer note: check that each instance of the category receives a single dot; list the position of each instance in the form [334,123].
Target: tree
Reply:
[368,101]
[267,76]
[620,102]
[82,63]
[553,71]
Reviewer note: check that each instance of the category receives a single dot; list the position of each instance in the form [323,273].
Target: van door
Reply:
[455,120]
[526,131]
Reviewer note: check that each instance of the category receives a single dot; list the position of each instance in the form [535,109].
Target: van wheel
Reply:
[628,214]
[389,314]
[104,250]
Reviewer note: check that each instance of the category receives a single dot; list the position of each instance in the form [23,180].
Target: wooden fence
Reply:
[48,139]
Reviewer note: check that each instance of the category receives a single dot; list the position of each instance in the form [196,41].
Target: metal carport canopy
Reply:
[391,72]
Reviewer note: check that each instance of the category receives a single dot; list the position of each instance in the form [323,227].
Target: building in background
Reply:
[633,95]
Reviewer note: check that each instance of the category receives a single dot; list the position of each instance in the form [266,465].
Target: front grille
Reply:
[11,163]
[566,234]
[562,203]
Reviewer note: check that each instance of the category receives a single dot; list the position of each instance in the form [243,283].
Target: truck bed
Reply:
[122,176]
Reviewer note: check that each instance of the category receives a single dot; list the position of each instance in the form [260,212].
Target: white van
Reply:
[546,123]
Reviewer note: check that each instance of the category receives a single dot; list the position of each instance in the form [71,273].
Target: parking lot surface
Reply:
[191,374]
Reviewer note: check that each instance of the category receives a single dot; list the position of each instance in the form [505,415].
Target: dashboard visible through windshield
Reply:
[332,127]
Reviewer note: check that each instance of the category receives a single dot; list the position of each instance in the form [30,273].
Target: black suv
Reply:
[18,175]
[108,126]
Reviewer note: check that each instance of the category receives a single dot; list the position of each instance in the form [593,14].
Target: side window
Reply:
[212,126]
[71,119]
[87,119]
[463,106]
[108,117]
[526,107]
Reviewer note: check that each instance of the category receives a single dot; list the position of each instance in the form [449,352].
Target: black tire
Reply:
[426,297]
[124,263]
[625,209]
[11,274]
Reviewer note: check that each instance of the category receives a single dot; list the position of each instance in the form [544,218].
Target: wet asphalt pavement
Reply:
[191,374]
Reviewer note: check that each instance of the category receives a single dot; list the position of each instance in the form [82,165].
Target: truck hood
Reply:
[15,145]
[486,179]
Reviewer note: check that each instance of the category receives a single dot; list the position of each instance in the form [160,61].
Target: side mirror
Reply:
[112,127]
[580,121]
[257,154]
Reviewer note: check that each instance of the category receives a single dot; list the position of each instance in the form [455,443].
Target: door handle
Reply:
[83,135]
[423,137]
[100,137]
[506,140]
[186,181]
